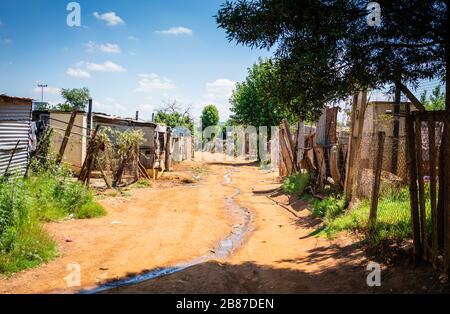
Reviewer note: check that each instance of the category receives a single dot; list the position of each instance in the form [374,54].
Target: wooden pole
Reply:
[396,132]
[85,173]
[446,189]
[412,168]
[168,159]
[405,90]
[357,125]
[420,174]
[377,180]
[433,202]
[13,153]
[66,137]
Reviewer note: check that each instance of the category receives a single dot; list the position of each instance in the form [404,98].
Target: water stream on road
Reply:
[241,216]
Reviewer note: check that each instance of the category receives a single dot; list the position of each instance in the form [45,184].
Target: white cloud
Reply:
[152,82]
[107,66]
[78,73]
[6,40]
[176,31]
[110,18]
[110,106]
[91,46]
[220,89]
[133,38]
[48,90]
[218,93]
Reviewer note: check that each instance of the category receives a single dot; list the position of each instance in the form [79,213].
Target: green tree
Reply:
[436,101]
[172,116]
[256,101]
[75,99]
[210,116]
[327,50]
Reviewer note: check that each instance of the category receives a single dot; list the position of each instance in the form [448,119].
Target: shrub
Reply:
[296,183]
[25,203]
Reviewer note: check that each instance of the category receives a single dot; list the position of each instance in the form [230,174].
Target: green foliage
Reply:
[143,184]
[210,116]
[127,142]
[436,101]
[256,101]
[26,203]
[328,208]
[76,99]
[296,183]
[173,117]
[327,51]
[393,219]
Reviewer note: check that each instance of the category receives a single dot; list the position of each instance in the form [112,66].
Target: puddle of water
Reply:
[225,248]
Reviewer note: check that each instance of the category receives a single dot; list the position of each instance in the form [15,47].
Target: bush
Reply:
[25,203]
[296,183]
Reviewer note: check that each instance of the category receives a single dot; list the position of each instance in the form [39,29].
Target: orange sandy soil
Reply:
[172,223]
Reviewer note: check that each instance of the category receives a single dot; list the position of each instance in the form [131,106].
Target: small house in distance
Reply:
[15,131]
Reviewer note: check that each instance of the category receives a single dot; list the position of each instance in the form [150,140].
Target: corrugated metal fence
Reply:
[15,119]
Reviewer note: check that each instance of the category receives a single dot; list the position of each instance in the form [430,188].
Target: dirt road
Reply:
[167,225]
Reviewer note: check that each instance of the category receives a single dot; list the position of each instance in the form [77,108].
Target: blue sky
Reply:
[132,55]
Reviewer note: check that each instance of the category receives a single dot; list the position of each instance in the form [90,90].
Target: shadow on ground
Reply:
[249,278]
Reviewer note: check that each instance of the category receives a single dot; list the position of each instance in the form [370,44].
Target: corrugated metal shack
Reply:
[75,152]
[15,126]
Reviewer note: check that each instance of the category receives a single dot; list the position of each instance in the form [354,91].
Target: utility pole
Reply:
[42,86]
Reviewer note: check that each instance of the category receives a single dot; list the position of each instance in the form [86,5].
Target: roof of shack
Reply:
[104,118]
[16,100]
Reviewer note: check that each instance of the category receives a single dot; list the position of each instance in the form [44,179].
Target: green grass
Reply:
[329,208]
[25,204]
[393,220]
[142,184]
[198,170]
[296,183]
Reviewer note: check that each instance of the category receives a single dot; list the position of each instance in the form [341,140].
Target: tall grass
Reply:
[26,203]
[393,223]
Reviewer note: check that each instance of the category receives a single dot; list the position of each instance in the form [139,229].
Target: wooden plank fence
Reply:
[431,244]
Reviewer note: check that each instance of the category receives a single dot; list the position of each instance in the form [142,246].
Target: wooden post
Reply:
[396,133]
[11,158]
[446,189]
[376,180]
[168,159]
[405,90]
[66,137]
[357,124]
[412,168]
[319,153]
[433,178]
[89,118]
[420,174]
[287,155]
[85,173]
[299,144]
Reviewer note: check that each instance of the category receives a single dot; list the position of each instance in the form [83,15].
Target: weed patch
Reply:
[26,203]
[296,183]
